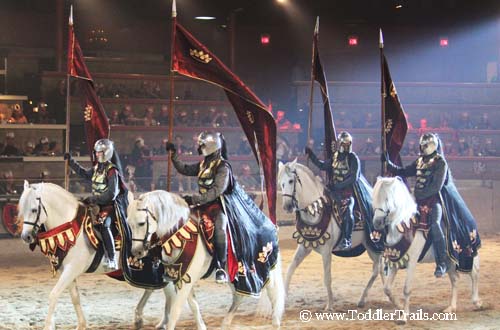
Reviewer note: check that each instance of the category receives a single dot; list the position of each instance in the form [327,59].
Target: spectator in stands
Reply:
[10,148]
[140,159]
[464,121]
[42,115]
[410,149]
[43,147]
[163,116]
[281,121]
[7,184]
[244,148]
[484,122]
[283,151]
[179,145]
[221,119]
[444,123]
[149,119]
[127,116]
[29,149]
[161,149]
[114,119]
[17,116]
[342,121]
[246,179]
[368,121]
[368,149]
[488,149]
[182,119]
[196,119]
[463,148]
[449,149]
[56,99]
[129,174]
[44,175]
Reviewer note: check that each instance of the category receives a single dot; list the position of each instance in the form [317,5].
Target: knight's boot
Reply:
[346,243]
[109,246]
[221,257]
[439,244]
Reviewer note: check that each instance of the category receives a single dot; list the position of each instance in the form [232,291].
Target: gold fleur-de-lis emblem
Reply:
[250,117]
[87,114]
[200,56]
[393,91]
[388,125]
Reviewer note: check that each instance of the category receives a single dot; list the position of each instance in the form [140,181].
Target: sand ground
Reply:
[25,283]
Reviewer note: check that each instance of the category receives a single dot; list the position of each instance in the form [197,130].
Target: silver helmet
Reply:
[209,142]
[428,143]
[106,147]
[344,142]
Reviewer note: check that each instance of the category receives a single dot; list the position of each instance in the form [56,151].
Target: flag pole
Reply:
[171,101]
[311,93]
[68,115]
[383,94]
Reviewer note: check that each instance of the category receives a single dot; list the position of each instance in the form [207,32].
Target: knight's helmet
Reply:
[344,142]
[428,143]
[211,142]
[107,148]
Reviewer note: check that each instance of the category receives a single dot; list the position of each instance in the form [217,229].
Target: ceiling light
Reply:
[205,18]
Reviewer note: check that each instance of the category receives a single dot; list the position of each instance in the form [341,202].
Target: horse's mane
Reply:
[303,168]
[46,188]
[392,194]
[168,208]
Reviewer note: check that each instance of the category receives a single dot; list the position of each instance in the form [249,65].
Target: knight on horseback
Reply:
[344,169]
[430,170]
[214,177]
[106,189]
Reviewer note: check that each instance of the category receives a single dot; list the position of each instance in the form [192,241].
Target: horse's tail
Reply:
[279,290]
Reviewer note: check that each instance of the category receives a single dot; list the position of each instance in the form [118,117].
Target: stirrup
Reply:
[110,265]
[440,271]
[346,244]
[220,276]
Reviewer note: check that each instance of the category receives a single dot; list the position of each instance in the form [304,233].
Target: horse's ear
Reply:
[294,162]
[399,178]
[280,166]
[26,184]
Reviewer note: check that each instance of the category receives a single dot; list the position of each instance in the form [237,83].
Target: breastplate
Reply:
[425,172]
[340,169]
[100,180]
[206,175]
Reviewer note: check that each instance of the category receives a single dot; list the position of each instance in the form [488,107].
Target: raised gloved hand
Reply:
[67,156]
[188,199]
[170,147]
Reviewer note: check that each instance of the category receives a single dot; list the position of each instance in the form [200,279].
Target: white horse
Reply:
[50,205]
[301,189]
[394,206]
[161,212]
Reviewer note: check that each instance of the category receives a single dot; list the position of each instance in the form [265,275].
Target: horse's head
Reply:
[32,211]
[392,203]
[288,179]
[154,212]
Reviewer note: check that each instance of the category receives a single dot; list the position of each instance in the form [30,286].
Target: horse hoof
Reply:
[478,305]
[328,308]
[450,309]
[160,326]
[138,324]
[401,322]
[361,304]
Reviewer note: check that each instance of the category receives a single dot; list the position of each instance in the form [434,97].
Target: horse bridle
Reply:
[295,202]
[35,224]
[386,214]
[145,241]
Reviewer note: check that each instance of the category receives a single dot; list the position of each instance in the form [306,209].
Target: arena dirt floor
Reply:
[25,283]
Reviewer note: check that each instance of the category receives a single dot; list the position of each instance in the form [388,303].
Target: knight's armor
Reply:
[345,170]
[214,177]
[105,180]
[430,171]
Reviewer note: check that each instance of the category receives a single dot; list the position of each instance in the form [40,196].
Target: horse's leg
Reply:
[228,319]
[376,268]
[297,259]
[474,275]
[68,275]
[326,255]
[75,298]
[177,302]
[138,321]
[195,309]
[389,281]
[453,275]
[276,293]
[410,274]
[169,292]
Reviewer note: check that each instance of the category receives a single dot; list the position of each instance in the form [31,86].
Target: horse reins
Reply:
[292,196]
[145,242]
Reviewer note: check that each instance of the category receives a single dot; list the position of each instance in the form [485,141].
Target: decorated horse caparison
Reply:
[163,219]
[406,243]
[70,244]
[317,227]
